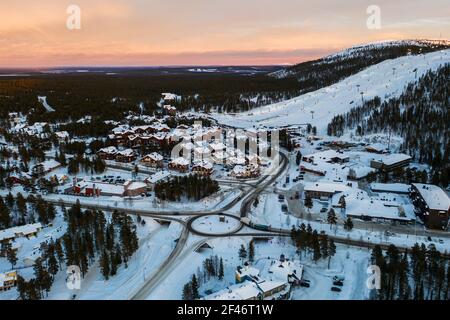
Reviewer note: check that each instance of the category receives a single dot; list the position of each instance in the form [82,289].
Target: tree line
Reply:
[421,273]
[89,238]
[191,187]
[309,241]
[212,267]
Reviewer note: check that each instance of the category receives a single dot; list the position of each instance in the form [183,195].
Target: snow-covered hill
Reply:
[386,79]
[363,55]
[363,49]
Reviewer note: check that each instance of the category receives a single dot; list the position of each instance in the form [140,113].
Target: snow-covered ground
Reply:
[212,224]
[348,261]
[269,212]
[43,100]
[386,79]
[156,242]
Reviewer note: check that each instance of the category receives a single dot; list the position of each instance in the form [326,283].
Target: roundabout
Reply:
[215,225]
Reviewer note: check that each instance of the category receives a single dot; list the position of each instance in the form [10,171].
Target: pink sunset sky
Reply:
[203,32]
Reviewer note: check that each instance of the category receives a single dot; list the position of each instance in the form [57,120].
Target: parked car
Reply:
[284,208]
[304,284]
[323,210]
[336,289]
[338,278]
[338,283]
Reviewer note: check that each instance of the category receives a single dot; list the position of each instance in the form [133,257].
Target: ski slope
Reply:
[386,80]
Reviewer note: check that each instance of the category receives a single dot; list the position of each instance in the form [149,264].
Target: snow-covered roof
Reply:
[238,161]
[385,206]
[267,286]
[203,164]
[239,170]
[158,176]
[281,270]
[180,161]
[327,155]
[379,147]
[154,156]
[49,164]
[133,185]
[109,188]
[435,197]
[217,146]
[109,150]
[169,96]
[202,150]
[62,134]
[393,158]
[330,187]
[243,291]
[25,230]
[121,129]
[248,271]
[126,153]
[389,187]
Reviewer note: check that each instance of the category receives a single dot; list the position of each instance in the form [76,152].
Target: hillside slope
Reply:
[335,67]
[386,80]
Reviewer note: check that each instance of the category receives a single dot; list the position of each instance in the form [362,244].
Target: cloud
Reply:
[157,32]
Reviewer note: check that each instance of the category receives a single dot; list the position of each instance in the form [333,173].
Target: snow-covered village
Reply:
[324,179]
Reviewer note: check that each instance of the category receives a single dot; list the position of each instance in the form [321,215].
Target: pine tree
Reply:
[10,200]
[187,291]
[43,279]
[298,158]
[348,224]
[331,218]
[53,265]
[251,251]
[5,219]
[242,252]
[194,287]
[11,256]
[308,202]
[342,202]
[323,242]
[315,246]
[221,271]
[21,207]
[104,265]
[331,251]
